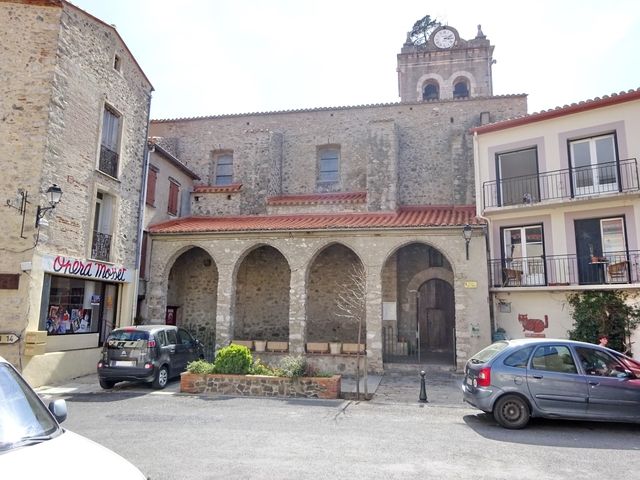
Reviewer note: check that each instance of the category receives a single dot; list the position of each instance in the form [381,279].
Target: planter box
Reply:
[261,345]
[261,386]
[335,348]
[244,343]
[318,347]
[277,346]
[352,348]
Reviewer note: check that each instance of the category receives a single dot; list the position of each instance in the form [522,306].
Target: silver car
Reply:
[519,379]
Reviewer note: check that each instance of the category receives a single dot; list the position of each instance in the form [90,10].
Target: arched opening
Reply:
[192,292]
[430,92]
[262,296]
[461,88]
[336,297]
[418,314]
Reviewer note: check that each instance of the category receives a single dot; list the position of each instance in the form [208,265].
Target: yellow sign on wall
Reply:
[471,284]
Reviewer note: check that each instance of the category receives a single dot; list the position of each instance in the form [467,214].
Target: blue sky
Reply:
[210,57]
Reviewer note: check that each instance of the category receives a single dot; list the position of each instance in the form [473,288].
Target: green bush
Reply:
[200,366]
[292,366]
[259,368]
[234,359]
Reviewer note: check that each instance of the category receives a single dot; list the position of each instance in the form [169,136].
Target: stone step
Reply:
[416,368]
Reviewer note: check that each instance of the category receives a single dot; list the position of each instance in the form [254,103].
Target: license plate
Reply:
[123,363]
[468,381]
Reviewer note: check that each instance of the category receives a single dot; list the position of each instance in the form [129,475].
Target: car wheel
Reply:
[162,377]
[107,384]
[512,411]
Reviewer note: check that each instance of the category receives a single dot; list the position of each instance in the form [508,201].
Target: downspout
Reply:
[141,204]
[492,320]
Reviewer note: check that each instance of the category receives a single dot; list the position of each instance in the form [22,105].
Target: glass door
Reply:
[594,165]
[523,254]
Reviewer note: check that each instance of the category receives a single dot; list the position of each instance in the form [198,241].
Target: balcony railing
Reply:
[597,179]
[108,162]
[101,246]
[556,270]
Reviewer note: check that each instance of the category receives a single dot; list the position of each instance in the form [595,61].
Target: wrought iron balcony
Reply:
[555,270]
[101,246]
[597,179]
[108,162]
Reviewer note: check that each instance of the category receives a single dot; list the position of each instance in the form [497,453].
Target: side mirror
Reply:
[59,410]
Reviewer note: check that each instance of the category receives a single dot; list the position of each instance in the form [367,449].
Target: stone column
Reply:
[298,310]
[225,307]
[374,318]
[156,299]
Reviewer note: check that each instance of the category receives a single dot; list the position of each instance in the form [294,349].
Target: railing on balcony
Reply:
[555,270]
[108,162]
[608,177]
[100,246]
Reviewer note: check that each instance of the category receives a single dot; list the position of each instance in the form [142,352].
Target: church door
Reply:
[436,318]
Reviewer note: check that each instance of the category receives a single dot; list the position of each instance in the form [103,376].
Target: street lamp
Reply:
[54,193]
[466,234]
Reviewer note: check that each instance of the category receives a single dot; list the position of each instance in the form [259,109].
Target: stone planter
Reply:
[335,348]
[317,347]
[261,386]
[352,348]
[277,346]
[260,345]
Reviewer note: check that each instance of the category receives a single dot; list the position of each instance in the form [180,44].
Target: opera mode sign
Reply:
[88,269]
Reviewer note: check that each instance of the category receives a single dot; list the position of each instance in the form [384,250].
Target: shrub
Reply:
[292,366]
[259,368]
[234,359]
[200,366]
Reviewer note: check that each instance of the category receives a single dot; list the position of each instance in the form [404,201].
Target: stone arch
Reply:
[192,291]
[425,79]
[463,77]
[262,280]
[330,273]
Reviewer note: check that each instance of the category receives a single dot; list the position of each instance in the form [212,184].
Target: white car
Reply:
[34,446]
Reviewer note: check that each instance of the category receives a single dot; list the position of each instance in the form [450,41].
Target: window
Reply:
[594,165]
[185,337]
[174,190]
[460,89]
[523,255]
[152,178]
[224,169]
[172,337]
[519,359]
[73,306]
[110,142]
[597,362]
[116,63]
[102,223]
[554,358]
[329,164]
[517,174]
[601,249]
[431,92]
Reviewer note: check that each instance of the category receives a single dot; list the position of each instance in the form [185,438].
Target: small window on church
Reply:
[328,167]
[461,89]
[431,92]
[224,168]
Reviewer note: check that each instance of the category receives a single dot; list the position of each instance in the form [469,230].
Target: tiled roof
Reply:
[407,217]
[232,187]
[590,104]
[319,198]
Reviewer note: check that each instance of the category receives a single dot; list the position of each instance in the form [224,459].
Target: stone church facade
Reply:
[296,210]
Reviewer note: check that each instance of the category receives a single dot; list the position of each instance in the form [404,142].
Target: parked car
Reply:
[519,379]
[147,353]
[34,446]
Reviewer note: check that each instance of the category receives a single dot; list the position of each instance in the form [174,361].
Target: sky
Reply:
[213,57]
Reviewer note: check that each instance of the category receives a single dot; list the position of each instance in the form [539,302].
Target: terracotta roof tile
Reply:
[233,187]
[319,198]
[407,217]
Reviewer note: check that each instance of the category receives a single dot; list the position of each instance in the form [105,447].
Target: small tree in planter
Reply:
[234,359]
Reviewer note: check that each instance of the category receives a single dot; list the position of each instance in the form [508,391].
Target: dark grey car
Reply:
[147,353]
[519,379]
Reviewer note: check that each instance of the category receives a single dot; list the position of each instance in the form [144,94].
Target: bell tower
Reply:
[436,64]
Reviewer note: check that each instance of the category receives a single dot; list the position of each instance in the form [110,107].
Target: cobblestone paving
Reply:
[442,388]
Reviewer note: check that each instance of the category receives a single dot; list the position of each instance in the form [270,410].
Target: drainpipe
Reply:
[141,204]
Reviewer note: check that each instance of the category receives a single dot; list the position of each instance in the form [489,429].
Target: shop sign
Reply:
[88,269]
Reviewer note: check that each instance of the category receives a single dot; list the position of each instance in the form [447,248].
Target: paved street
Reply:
[176,436]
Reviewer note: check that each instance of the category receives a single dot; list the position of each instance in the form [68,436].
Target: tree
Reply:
[599,312]
[350,304]
[422,30]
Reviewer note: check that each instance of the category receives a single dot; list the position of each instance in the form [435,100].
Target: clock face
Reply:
[444,38]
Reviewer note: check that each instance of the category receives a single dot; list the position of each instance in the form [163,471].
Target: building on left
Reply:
[74,112]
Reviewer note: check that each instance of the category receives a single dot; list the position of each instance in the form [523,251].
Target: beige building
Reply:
[560,191]
[296,210]
[75,108]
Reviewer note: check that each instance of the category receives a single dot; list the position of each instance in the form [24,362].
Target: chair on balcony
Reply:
[512,277]
[618,271]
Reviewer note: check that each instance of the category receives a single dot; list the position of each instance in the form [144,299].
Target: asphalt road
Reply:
[191,437]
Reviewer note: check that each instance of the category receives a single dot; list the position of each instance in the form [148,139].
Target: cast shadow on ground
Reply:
[557,433]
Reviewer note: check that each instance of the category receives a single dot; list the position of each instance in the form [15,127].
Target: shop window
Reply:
[110,142]
[329,164]
[102,227]
[174,193]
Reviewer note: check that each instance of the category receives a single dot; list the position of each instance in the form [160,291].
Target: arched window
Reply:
[430,92]
[461,89]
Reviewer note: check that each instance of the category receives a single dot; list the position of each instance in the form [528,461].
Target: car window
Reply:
[519,359]
[597,362]
[553,358]
[172,338]
[161,337]
[489,352]
[128,335]
[185,337]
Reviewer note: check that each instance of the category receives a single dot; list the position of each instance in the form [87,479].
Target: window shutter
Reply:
[173,199]
[151,187]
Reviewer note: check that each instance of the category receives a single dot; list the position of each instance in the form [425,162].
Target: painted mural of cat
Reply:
[535,325]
